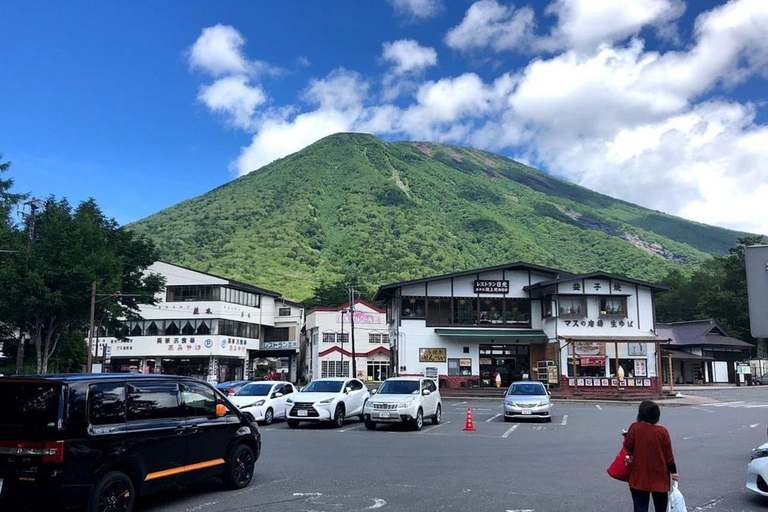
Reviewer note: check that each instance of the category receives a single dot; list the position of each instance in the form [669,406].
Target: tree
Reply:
[49,288]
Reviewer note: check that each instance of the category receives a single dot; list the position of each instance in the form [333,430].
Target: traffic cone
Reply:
[470,425]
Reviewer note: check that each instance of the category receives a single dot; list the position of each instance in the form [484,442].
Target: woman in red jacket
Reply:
[653,462]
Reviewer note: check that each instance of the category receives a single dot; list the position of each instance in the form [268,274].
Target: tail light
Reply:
[50,451]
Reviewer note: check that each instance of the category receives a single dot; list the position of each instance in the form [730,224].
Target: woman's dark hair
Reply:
[648,412]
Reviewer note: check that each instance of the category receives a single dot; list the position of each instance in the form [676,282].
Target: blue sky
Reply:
[144,104]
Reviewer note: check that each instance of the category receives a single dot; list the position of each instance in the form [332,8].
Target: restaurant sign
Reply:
[280,344]
[432,355]
[491,286]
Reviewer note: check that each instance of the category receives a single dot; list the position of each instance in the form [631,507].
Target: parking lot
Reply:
[520,466]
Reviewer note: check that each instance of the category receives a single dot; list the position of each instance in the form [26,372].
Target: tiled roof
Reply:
[699,333]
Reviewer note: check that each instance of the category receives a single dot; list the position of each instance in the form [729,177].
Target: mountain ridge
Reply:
[351,204]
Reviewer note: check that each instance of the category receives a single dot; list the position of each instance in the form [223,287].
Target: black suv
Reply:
[98,441]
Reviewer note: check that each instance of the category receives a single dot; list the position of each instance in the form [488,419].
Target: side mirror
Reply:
[277,395]
[221,410]
[347,390]
[374,391]
[426,392]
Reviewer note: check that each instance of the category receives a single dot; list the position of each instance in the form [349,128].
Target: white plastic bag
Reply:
[676,500]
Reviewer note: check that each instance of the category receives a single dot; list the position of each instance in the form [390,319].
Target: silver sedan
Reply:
[527,399]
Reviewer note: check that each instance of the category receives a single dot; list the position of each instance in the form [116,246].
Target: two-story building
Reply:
[206,326]
[328,351]
[526,321]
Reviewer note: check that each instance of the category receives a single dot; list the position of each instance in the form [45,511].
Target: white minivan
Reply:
[404,400]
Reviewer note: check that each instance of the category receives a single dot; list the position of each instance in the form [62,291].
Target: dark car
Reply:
[231,387]
[98,441]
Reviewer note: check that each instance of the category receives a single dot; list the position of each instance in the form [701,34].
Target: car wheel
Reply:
[292,423]
[239,470]
[419,421]
[370,425]
[338,416]
[362,414]
[269,416]
[113,493]
[438,415]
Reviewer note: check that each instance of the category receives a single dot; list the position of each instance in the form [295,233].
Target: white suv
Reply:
[404,400]
[331,399]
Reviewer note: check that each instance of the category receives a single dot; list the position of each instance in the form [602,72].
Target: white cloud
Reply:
[417,8]
[488,24]
[234,97]
[219,51]
[408,56]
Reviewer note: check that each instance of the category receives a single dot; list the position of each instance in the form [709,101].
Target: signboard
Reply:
[431,372]
[587,348]
[757,289]
[465,362]
[552,375]
[640,368]
[432,355]
[96,368]
[491,286]
[361,317]
[280,344]
[593,361]
[637,349]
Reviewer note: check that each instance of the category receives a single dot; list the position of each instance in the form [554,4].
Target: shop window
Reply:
[203,327]
[188,328]
[378,370]
[412,307]
[491,311]
[613,307]
[439,311]
[460,366]
[465,309]
[517,312]
[172,327]
[153,329]
[572,307]
[137,330]
[584,370]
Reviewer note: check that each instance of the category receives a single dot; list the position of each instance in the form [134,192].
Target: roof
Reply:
[618,339]
[655,288]
[245,287]
[385,290]
[321,309]
[699,333]
[686,356]
[72,377]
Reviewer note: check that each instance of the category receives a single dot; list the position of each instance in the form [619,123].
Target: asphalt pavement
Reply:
[523,466]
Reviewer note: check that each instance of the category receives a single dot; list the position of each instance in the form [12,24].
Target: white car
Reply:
[527,399]
[757,471]
[404,400]
[331,399]
[264,400]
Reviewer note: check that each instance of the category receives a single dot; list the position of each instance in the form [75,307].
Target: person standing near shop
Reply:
[650,450]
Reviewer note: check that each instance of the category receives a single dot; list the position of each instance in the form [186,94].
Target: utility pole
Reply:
[90,327]
[341,343]
[352,328]
[34,204]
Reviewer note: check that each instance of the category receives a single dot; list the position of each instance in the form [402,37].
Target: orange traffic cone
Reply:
[470,425]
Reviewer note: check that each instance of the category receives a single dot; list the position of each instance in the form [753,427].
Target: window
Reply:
[572,307]
[430,385]
[343,337]
[202,327]
[136,328]
[284,312]
[106,403]
[355,384]
[375,337]
[329,337]
[547,308]
[613,306]
[334,369]
[188,328]
[491,310]
[30,405]
[153,329]
[412,307]
[277,334]
[459,366]
[241,297]
[153,400]
[192,293]
[378,370]
[517,311]
[585,371]
[287,389]
[171,327]
[199,400]
[465,311]
[439,311]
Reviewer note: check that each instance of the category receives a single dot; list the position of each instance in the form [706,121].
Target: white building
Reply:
[328,351]
[206,326]
[519,319]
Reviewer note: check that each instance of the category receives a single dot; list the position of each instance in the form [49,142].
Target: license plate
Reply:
[383,415]
[302,413]
[526,411]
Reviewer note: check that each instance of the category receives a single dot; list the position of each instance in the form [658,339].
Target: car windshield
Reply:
[31,405]
[528,388]
[399,387]
[323,386]
[254,390]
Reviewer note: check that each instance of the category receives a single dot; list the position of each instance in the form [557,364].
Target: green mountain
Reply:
[351,204]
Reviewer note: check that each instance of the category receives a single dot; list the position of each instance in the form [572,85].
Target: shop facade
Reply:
[203,326]
[328,334]
[589,333]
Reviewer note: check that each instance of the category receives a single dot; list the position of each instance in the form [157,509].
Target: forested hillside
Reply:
[352,205]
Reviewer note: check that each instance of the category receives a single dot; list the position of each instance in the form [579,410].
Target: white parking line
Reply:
[755,425]
[493,418]
[512,429]
[354,427]
[565,420]
[701,409]
[599,407]
[434,427]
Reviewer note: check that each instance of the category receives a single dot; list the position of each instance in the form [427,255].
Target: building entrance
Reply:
[511,361]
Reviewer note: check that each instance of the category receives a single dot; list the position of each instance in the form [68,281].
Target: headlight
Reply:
[368,405]
[289,401]
[509,402]
[256,404]
[759,453]
[325,402]
[542,403]
[406,405]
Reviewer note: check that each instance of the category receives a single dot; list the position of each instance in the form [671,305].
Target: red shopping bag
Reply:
[619,469]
